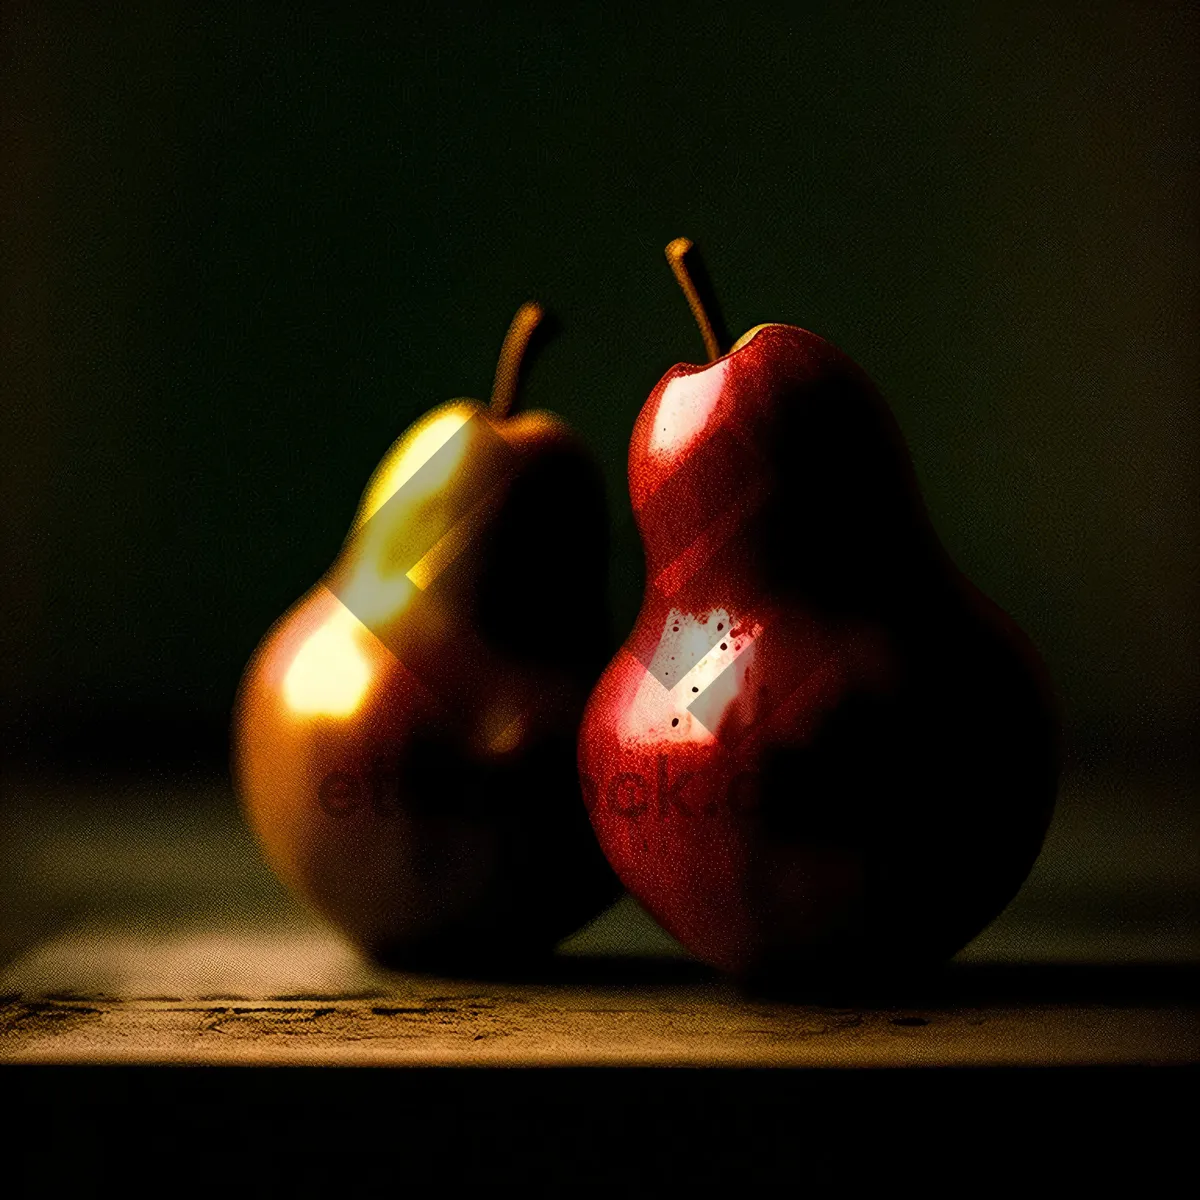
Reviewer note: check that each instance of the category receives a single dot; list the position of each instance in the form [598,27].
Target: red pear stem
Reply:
[677,252]
[512,353]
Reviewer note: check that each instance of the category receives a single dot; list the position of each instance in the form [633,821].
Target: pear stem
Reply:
[677,252]
[512,353]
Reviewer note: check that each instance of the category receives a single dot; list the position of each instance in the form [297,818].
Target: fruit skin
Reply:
[821,747]
[405,754]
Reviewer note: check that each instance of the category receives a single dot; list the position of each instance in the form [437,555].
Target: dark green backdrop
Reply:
[240,255]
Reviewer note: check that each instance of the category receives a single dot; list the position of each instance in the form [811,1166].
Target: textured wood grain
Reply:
[468,1025]
[139,926]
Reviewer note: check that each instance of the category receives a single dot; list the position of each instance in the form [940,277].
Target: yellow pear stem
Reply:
[677,252]
[508,368]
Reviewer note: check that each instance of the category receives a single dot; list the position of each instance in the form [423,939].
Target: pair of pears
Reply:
[820,747]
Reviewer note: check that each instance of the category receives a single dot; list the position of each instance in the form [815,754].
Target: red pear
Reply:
[820,746]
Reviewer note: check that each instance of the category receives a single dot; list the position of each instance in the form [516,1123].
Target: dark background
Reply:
[240,255]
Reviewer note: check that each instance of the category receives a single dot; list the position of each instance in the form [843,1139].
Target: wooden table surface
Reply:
[139,926]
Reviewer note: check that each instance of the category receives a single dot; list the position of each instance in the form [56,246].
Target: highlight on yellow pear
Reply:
[404,736]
